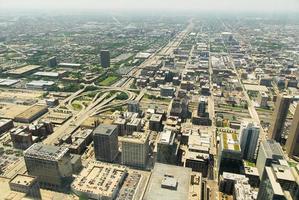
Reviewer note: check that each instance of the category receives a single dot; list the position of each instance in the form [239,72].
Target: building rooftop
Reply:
[230,142]
[180,175]
[272,148]
[100,179]
[104,129]
[134,122]
[24,180]
[136,137]
[40,83]
[4,121]
[275,185]
[282,172]
[46,152]
[32,111]
[8,82]
[49,74]
[24,69]
[156,117]
[167,137]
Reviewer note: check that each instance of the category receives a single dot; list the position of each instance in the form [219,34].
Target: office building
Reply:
[263,99]
[51,164]
[236,185]
[170,182]
[133,125]
[5,125]
[26,184]
[292,144]
[133,106]
[248,137]
[197,155]
[100,181]
[279,117]
[105,142]
[121,126]
[167,148]
[135,149]
[167,91]
[21,137]
[52,62]
[155,123]
[105,58]
[41,129]
[252,174]
[269,152]
[201,111]
[179,108]
[229,154]
[277,183]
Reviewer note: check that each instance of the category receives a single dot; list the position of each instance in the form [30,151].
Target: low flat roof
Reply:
[25,180]
[258,88]
[32,111]
[100,179]
[180,174]
[23,69]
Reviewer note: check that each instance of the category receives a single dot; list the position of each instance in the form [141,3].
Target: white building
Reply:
[135,149]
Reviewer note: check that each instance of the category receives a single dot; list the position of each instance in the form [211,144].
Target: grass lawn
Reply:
[109,80]
[77,106]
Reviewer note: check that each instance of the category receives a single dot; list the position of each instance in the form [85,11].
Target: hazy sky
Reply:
[172,5]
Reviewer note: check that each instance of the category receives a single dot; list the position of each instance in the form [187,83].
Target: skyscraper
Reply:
[52,62]
[133,106]
[269,152]
[105,142]
[135,149]
[105,58]
[277,183]
[51,164]
[292,145]
[249,135]
[201,107]
[279,116]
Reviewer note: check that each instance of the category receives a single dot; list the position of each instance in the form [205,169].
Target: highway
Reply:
[101,103]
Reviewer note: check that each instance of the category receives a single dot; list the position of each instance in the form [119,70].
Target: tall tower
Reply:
[105,142]
[279,116]
[105,58]
[249,135]
[292,145]
[201,107]
[135,149]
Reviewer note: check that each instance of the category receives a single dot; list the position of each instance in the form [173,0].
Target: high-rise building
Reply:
[249,135]
[167,148]
[105,58]
[279,116]
[51,164]
[133,106]
[269,152]
[229,154]
[292,145]
[52,62]
[277,183]
[135,149]
[105,142]
[201,107]
[155,123]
